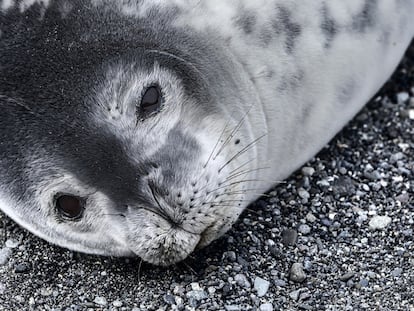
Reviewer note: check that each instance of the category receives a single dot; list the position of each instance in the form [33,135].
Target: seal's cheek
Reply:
[157,241]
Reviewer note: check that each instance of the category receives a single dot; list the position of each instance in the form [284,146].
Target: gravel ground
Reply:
[337,236]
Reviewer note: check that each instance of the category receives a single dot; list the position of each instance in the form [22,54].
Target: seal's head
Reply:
[120,136]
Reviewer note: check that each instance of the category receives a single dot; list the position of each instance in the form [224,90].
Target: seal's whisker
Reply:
[246,148]
[139,270]
[241,166]
[190,268]
[233,132]
[247,180]
[215,146]
[230,177]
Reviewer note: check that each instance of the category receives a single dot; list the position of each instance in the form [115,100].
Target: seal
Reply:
[146,127]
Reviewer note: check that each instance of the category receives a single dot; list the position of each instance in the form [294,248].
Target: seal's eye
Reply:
[69,206]
[150,101]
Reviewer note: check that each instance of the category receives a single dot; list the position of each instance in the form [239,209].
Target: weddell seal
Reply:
[145,127]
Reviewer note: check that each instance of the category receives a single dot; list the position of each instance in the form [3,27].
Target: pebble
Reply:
[46,292]
[261,286]
[242,280]
[379,222]
[303,194]
[294,295]
[347,276]
[22,267]
[169,299]
[296,273]
[396,272]
[310,217]
[280,283]
[289,237]
[308,171]
[198,295]
[5,254]
[10,243]
[117,303]
[2,288]
[266,307]
[402,97]
[99,300]
[230,256]
[232,308]
[304,229]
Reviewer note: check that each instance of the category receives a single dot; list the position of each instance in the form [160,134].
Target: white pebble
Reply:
[402,97]
[261,286]
[266,307]
[100,301]
[379,222]
[10,243]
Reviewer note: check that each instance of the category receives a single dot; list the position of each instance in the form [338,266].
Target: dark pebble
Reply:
[22,267]
[289,237]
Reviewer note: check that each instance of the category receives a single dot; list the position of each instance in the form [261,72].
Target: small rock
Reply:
[197,295]
[22,267]
[347,276]
[232,308]
[308,171]
[363,283]
[411,114]
[374,175]
[396,272]
[402,97]
[289,237]
[261,286]
[280,283]
[46,292]
[230,256]
[10,243]
[310,217]
[266,307]
[2,288]
[379,222]
[195,286]
[242,280]
[5,254]
[117,303]
[99,300]
[169,299]
[304,229]
[296,273]
[295,295]
[303,194]
[403,198]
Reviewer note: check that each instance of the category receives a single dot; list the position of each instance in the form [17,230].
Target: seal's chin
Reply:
[166,248]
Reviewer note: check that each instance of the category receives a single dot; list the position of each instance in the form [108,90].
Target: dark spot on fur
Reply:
[284,25]
[266,36]
[246,22]
[366,18]
[328,26]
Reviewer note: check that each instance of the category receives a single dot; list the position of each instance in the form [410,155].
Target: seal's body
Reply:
[146,127]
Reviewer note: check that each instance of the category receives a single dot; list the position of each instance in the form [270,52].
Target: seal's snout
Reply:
[159,242]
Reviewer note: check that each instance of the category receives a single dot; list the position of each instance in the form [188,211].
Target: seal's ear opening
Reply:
[151,101]
[69,207]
